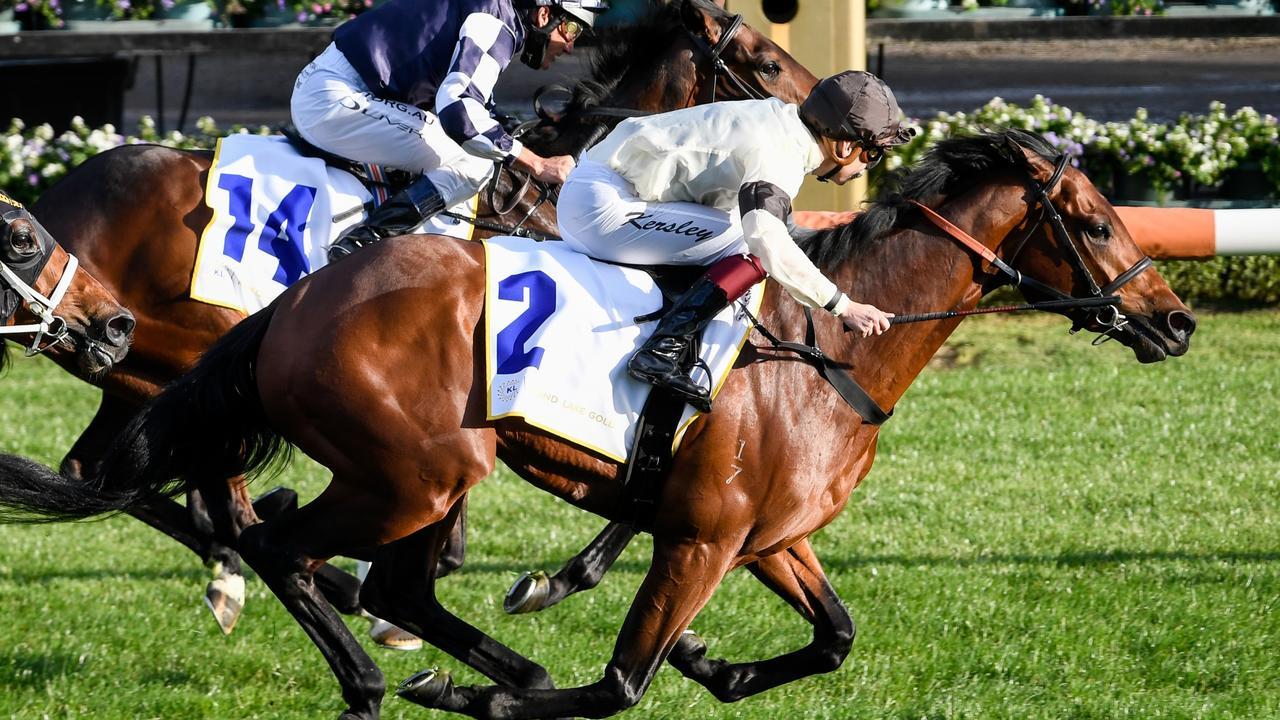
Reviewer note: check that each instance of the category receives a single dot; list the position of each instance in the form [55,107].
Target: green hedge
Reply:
[1245,279]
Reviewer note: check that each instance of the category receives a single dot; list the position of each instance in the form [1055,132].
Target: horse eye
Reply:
[1099,231]
[23,242]
[770,69]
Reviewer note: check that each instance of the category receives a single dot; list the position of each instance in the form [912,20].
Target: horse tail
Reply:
[210,423]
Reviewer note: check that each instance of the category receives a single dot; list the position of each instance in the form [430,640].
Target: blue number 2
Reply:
[512,357]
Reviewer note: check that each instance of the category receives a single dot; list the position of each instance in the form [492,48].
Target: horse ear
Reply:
[1039,168]
[701,19]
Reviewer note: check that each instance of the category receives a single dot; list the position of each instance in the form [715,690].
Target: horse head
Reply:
[736,61]
[1079,245]
[44,298]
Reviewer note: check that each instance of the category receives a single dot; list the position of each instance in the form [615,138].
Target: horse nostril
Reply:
[119,328]
[1180,324]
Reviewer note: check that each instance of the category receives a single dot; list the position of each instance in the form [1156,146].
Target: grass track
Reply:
[1050,531]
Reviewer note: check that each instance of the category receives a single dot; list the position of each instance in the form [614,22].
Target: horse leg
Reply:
[401,588]
[285,551]
[797,577]
[224,509]
[224,595]
[534,591]
[455,548]
[680,581]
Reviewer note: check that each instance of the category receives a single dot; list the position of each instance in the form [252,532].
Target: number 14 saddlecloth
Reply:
[274,214]
[559,328]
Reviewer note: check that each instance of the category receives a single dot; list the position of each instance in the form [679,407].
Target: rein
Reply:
[834,373]
[1103,298]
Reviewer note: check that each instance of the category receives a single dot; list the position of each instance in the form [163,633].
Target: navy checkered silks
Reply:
[440,56]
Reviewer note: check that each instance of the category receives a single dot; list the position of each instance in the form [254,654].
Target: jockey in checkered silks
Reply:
[409,85]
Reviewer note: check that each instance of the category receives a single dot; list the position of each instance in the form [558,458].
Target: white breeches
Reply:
[600,215]
[334,110]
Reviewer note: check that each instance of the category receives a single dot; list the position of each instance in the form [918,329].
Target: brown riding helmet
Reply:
[857,106]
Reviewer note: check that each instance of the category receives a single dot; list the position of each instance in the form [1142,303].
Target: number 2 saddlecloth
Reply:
[559,328]
[273,218]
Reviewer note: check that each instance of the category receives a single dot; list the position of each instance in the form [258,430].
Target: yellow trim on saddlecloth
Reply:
[757,301]
[204,234]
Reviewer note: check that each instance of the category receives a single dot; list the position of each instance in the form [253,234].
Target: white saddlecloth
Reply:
[273,218]
[559,329]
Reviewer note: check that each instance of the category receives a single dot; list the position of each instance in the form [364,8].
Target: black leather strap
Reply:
[831,371]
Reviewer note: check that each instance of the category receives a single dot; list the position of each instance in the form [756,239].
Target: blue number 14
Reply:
[291,217]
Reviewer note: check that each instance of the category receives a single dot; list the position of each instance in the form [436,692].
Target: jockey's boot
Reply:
[401,213]
[658,361]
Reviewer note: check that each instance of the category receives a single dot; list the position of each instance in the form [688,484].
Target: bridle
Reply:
[17,288]
[1102,305]
[718,65]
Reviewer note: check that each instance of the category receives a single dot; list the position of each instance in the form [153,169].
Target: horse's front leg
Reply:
[680,581]
[534,591]
[190,526]
[797,577]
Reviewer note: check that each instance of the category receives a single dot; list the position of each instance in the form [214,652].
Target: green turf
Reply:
[1051,531]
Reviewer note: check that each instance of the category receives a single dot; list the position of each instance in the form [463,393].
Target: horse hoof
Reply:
[393,637]
[527,594]
[224,597]
[275,502]
[689,648]
[427,688]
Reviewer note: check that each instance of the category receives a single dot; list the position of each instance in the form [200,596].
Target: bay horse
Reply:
[51,305]
[404,432]
[134,216]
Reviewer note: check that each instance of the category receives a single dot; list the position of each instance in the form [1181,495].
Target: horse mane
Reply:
[618,50]
[621,47]
[951,166]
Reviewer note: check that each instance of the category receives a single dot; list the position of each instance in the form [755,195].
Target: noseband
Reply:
[17,284]
[1108,315]
[718,65]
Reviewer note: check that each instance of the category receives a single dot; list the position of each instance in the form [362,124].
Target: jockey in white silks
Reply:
[409,85]
[712,186]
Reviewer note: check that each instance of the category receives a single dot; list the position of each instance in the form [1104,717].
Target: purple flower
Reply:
[33,179]
[21,7]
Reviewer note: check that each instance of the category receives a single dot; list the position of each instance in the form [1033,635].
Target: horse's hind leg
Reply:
[285,551]
[796,576]
[224,595]
[401,589]
[680,580]
[534,591]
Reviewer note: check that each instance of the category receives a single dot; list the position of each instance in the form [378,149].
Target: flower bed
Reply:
[50,14]
[1198,151]
[1194,156]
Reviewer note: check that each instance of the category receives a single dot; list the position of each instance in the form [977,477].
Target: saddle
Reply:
[381,182]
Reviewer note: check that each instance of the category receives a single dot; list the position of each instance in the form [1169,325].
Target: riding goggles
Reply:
[571,28]
[872,156]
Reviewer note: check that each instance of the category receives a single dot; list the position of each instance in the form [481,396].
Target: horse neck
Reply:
[914,270]
[649,88]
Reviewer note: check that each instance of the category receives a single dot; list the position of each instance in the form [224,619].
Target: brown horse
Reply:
[51,306]
[134,216]
[404,429]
